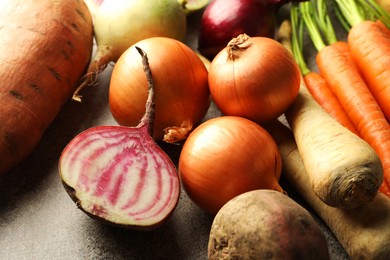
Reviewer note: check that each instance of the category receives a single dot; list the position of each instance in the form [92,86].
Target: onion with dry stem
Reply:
[254,77]
[182,93]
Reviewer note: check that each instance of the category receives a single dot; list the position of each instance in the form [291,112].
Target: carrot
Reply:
[343,77]
[313,80]
[369,41]
[363,232]
[327,99]
[369,44]
[336,177]
[45,47]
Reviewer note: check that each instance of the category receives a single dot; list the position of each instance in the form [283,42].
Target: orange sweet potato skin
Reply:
[45,47]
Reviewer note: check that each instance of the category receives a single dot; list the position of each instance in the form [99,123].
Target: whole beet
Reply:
[265,224]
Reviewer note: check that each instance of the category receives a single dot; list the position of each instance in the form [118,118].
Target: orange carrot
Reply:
[313,80]
[345,81]
[369,44]
[340,72]
[321,92]
[339,176]
[369,53]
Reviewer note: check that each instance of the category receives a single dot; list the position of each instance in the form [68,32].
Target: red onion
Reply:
[119,174]
[223,20]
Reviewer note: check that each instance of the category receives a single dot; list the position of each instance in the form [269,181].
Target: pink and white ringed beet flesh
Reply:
[119,174]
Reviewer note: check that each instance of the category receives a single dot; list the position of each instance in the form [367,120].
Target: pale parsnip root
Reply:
[344,170]
[364,231]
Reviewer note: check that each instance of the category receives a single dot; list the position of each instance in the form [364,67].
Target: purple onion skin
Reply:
[223,20]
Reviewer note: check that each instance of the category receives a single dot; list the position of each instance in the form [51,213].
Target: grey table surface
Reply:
[38,220]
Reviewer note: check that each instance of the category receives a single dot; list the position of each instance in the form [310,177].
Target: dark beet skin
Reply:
[223,20]
[265,224]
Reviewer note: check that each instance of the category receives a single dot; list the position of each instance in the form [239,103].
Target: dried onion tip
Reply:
[119,174]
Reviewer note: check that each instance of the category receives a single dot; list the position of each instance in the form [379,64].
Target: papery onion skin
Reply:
[259,83]
[106,182]
[226,156]
[181,86]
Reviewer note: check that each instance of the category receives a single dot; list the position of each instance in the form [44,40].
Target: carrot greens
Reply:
[353,12]
[318,23]
[361,89]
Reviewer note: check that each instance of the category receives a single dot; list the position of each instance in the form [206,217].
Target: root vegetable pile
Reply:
[335,150]
[45,47]
[355,70]
[119,174]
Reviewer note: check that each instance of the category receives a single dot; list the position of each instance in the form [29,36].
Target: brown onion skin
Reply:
[180,80]
[226,156]
[260,83]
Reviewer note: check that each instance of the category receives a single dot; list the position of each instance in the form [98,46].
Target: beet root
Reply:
[265,224]
[119,174]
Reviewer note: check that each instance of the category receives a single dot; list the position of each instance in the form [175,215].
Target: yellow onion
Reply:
[181,86]
[227,156]
[254,77]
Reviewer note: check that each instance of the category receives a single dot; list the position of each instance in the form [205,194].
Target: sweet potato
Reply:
[265,224]
[45,47]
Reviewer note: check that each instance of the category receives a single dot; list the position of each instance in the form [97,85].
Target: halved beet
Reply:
[119,174]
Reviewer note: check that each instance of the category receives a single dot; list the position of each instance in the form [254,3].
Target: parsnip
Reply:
[343,170]
[364,232]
